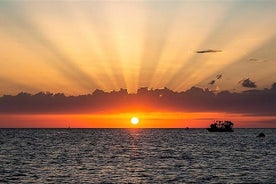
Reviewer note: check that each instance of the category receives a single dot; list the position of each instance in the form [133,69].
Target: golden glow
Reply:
[111,45]
[134,120]
[150,120]
[75,47]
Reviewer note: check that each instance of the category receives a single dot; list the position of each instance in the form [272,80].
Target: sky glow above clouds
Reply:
[76,47]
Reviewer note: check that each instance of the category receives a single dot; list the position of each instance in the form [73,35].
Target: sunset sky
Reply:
[75,47]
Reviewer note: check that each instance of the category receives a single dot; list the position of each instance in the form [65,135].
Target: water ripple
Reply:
[136,156]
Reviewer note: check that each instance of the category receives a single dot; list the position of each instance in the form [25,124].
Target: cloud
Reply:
[207,51]
[255,60]
[273,86]
[247,83]
[255,102]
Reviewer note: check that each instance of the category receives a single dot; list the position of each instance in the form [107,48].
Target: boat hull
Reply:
[219,130]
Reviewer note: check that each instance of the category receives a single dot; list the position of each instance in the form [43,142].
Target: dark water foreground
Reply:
[137,156]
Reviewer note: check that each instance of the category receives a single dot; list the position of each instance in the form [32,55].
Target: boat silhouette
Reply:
[221,126]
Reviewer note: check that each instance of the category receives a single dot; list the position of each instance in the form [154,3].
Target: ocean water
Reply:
[137,156]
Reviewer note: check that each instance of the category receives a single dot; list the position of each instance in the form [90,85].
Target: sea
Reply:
[137,156]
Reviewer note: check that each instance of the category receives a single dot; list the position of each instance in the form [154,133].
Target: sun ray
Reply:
[181,45]
[127,34]
[226,40]
[81,46]
[95,41]
[32,31]
[157,35]
[235,46]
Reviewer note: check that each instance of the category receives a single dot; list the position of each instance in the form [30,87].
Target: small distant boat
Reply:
[261,134]
[221,126]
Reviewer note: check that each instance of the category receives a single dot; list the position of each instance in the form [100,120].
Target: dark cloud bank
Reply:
[248,83]
[255,102]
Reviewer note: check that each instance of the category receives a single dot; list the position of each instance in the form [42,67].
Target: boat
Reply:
[221,126]
[261,134]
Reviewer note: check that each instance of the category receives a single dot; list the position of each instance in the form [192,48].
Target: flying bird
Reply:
[219,76]
[212,82]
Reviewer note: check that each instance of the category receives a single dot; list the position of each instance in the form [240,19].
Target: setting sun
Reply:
[134,120]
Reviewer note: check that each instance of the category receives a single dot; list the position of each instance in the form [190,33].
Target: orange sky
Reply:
[147,120]
[75,47]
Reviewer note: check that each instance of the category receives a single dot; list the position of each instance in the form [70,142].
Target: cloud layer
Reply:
[255,102]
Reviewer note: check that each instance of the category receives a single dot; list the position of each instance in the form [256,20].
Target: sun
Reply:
[134,120]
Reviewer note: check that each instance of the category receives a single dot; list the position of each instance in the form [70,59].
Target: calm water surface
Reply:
[136,156]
